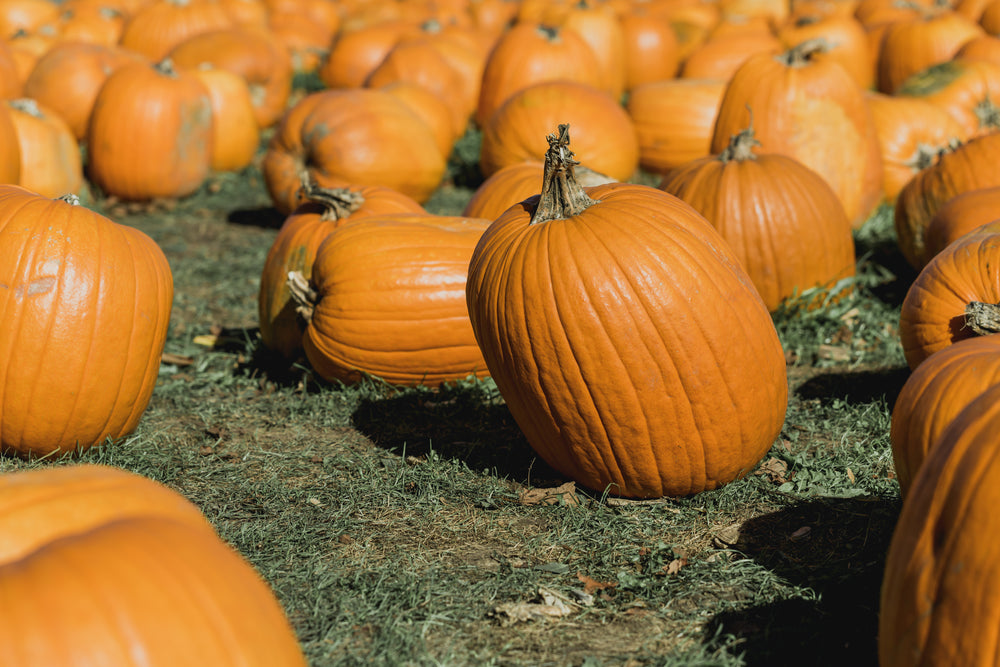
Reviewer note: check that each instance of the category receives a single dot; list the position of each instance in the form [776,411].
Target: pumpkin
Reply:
[304,39]
[157,27]
[606,138]
[963,168]
[235,135]
[848,39]
[50,157]
[911,134]
[605,316]
[85,308]
[651,49]
[965,88]
[294,249]
[598,23]
[784,223]
[942,561]
[958,216]
[674,120]
[530,53]
[389,145]
[127,572]
[934,394]
[150,133]
[953,295]
[90,22]
[68,78]
[262,63]
[431,109]
[405,321]
[720,56]
[355,53]
[10,148]
[810,109]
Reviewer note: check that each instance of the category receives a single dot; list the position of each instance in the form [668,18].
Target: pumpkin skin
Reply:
[783,221]
[390,301]
[606,138]
[934,394]
[958,216]
[933,313]
[941,562]
[595,325]
[41,505]
[86,316]
[812,110]
[295,246]
[965,88]
[50,157]
[150,133]
[969,166]
[10,148]
[389,145]
[133,585]
[235,135]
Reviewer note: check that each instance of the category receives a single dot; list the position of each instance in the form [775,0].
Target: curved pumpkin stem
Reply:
[983,318]
[303,295]
[338,203]
[741,145]
[562,196]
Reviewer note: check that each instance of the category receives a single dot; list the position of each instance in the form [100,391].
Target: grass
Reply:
[394,525]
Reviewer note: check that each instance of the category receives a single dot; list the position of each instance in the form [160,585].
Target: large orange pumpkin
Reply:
[387,299]
[941,590]
[958,216]
[126,572]
[84,307]
[783,221]
[630,346]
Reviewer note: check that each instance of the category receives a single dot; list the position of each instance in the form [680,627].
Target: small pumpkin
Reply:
[84,306]
[783,221]
[605,316]
[405,321]
[294,249]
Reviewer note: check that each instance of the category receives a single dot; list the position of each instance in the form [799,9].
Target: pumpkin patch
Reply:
[519,332]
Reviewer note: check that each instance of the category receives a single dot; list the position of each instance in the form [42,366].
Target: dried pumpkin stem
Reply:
[562,196]
[801,54]
[338,203]
[303,295]
[983,318]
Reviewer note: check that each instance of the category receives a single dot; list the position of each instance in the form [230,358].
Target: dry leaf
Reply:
[548,604]
[727,536]
[590,586]
[561,495]
[205,340]
[774,469]
[674,566]
[175,359]
[800,534]
[834,352]
[850,475]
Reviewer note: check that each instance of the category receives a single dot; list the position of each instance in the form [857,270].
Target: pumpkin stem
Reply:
[166,68]
[303,295]
[562,196]
[988,114]
[983,318]
[741,145]
[801,54]
[27,105]
[549,32]
[337,203]
[70,199]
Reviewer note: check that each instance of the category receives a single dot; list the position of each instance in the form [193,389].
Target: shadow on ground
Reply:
[463,422]
[834,546]
[856,386]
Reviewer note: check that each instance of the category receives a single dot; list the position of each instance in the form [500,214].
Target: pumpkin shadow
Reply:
[266,217]
[837,548]
[464,421]
[856,386]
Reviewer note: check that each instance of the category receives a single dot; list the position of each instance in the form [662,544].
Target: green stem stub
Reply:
[562,196]
[983,318]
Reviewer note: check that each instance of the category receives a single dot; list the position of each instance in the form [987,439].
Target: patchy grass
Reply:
[395,525]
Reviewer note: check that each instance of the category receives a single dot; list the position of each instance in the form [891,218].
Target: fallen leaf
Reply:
[206,341]
[774,469]
[548,604]
[834,353]
[674,566]
[800,534]
[850,475]
[175,359]
[590,586]
[560,495]
[726,536]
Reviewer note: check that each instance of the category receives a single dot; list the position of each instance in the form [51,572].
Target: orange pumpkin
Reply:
[10,149]
[355,53]
[966,89]
[294,249]
[605,136]
[651,49]
[405,322]
[123,580]
[966,167]
[157,27]
[85,310]
[236,134]
[50,157]
[958,216]
[150,133]
[950,299]
[389,146]
[812,110]
[942,562]
[784,223]
[934,394]
[606,317]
